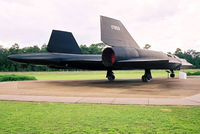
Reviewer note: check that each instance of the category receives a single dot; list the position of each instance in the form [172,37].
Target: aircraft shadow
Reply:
[120,83]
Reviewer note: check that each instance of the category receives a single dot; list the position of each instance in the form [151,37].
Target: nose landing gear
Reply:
[110,75]
[172,75]
[147,76]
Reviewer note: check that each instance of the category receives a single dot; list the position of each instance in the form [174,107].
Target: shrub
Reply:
[193,73]
[13,77]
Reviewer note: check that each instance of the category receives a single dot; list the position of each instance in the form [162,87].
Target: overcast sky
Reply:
[164,24]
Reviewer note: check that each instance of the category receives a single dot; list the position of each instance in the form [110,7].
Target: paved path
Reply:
[159,91]
[188,101]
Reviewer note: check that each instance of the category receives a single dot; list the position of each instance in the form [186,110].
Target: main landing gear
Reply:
[147,75]
[110,75]
[172,75]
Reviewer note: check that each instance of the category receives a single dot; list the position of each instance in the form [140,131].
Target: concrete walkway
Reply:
[187,101]
[159,91]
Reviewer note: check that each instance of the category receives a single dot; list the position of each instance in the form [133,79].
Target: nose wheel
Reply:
[172,75]
[147,76]
[110,75]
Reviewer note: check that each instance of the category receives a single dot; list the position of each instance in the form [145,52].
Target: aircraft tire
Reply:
[172,75]
[144,78]
[111,78]
[149,77]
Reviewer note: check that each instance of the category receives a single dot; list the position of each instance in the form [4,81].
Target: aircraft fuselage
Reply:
[94,62]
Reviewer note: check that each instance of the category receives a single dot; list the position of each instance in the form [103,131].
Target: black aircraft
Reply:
[122,53]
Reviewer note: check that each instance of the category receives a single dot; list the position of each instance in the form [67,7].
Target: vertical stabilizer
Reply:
[114,33]
[63,42]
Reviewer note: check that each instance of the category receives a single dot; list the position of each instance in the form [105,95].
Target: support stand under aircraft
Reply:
[123,53]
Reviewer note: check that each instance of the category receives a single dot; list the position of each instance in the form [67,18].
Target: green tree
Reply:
[43,48]
[191,56]
[84,49]
[14,49]
[92,49]
[178,51]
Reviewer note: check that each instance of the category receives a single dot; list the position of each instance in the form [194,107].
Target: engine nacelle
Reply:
[111,55]
[108,57]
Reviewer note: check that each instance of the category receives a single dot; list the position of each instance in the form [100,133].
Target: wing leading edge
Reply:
[53,58]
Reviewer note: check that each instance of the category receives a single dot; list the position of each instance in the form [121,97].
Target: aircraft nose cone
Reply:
[11,57]
[14,57]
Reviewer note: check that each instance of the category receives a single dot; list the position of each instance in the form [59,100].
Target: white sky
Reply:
[164,24]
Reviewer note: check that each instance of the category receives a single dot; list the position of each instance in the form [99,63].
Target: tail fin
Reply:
[114,33]
[63,42]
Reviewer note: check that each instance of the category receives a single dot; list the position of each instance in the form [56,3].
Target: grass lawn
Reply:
[89,74]
[28,117]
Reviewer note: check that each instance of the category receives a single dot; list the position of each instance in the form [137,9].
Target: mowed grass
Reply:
[89,74]
[32,118]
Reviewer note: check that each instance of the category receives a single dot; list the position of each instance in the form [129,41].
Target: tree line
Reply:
[191,56]
[6,65]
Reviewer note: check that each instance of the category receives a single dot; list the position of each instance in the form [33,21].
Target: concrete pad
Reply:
[127,101]
[159,91]
[96,100]
[133,101]
[39,98]
[166,101]
[194,98]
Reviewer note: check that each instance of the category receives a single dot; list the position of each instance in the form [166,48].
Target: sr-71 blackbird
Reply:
[122,53]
